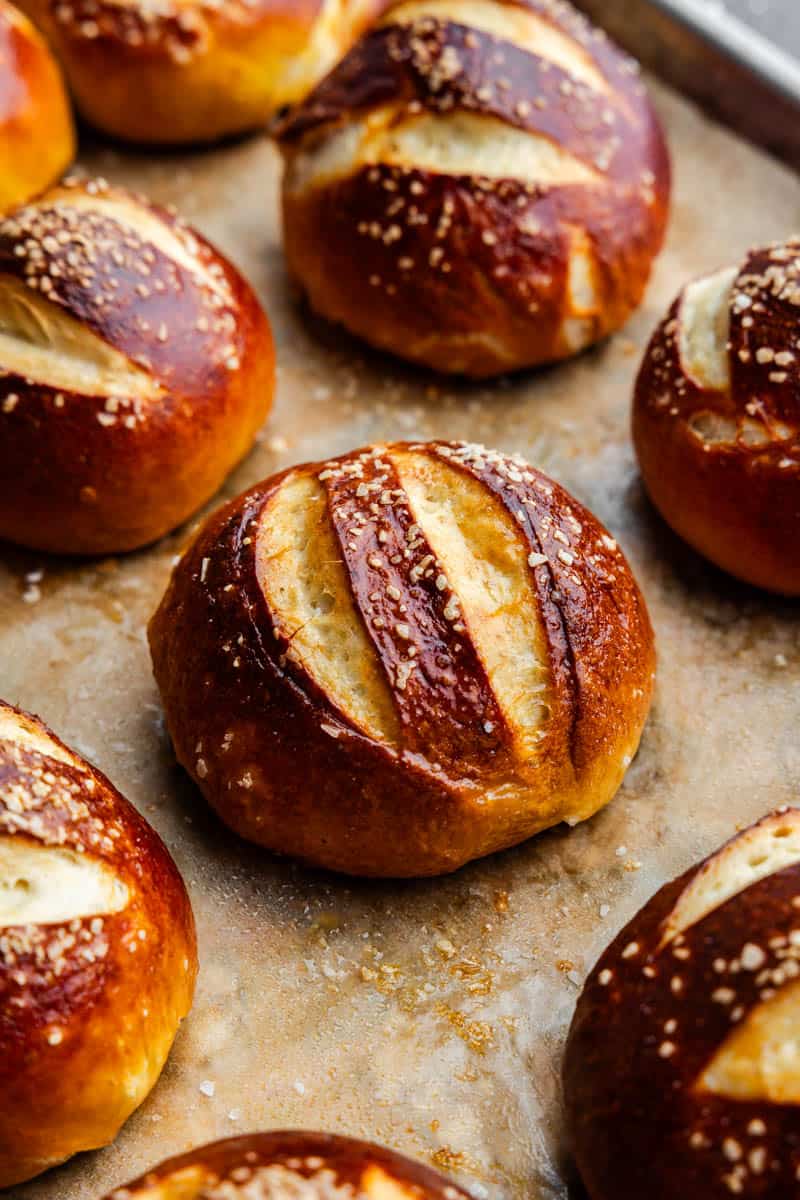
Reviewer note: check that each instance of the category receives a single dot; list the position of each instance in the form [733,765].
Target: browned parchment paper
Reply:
[428,1016]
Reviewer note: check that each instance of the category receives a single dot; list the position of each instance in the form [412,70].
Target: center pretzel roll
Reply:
[404,659]
[716,417]
[290,1166]
[97,953]
[682,1070]
[136,366]
[479,186]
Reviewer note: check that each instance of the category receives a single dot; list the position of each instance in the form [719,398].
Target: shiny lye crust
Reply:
[37,139]
[716,418]
[97,952]
[681,1071]
[479,186]
[305,1166]
[136,366]
[173,71]
[403,659]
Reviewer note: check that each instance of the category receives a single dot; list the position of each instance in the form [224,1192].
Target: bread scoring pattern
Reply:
[477,155]
[442,611]
[97,952]
[303,1166]
[127,346]
[717,416]
[701,994]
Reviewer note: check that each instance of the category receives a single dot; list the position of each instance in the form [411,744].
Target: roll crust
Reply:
[716,418]
[681,1065]
[478,187]
[137,367]
[37,138]
[433,630]
[97,952]
[314,1166]
[181,72]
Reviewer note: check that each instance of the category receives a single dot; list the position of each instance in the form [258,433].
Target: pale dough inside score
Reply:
[703,327]
[40,341]
[761,1058]
[46,885]
[769,847]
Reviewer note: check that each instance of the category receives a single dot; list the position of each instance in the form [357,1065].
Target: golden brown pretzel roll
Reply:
[716,418]
[479,186]
[682,1069]
[97,952]
[37,140]
[171,71]
[404,659]
[136,366]
[303,1166]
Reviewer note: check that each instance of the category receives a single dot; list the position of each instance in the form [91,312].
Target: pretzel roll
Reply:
[97,952]
[716,418]
[136,366]
[479,186]
[403,659]
[37,139]
[682,1071]
[172,71]
[305,1166]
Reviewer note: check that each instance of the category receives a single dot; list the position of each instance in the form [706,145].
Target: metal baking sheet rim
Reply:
[733,71]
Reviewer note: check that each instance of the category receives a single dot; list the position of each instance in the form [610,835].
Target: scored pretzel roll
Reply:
[37,139]
[403,659]
[716,418]
[682,1070]
[290,1166]
[136,366]
[479,186]
[172,71]
[97,952]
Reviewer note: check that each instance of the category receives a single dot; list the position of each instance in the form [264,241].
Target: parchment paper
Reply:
[428,1016]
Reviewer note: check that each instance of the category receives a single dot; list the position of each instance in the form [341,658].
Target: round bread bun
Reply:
[403,659]
[716,418]
[37,138]
[303,1166]
[478,187]
[681,1071]
[97,952]
[136,366]
[183,71]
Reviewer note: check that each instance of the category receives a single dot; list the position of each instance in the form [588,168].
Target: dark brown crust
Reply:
[449,683]
[485,256]
[37,140]
[116,1012]
[88,474]
[638,1125]
[345,1157]
[318,788]
[736,502]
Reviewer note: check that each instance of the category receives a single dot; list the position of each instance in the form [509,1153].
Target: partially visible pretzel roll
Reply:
[172,71]
[97,953]
[480,186]
[37,139]
[682,1069]
[403,659]
[290,1166]
[716,417]
[136,366]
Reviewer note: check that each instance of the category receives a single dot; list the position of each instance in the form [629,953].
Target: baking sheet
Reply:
[429,1016]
